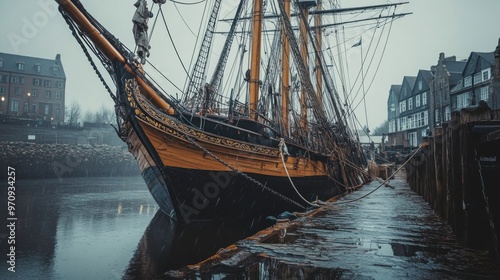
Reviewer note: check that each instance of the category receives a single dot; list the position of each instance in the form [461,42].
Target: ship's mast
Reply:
[285,82]
[319,74]
[304,7]
[255,58]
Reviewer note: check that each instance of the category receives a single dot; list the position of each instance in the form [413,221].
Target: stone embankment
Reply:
[41,161]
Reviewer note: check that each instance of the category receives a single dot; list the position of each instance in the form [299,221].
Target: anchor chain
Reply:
[246,176]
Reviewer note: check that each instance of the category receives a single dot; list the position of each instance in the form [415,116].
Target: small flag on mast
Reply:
[357,44]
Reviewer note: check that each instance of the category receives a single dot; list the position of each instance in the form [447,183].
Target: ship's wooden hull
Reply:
[195,174]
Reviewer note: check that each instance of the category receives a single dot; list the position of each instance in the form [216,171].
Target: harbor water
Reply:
[110,228]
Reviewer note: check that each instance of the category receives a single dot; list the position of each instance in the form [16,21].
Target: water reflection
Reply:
[166,245]
[82,228]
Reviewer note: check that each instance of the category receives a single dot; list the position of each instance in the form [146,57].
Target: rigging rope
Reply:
[246,176]
[282,146]
[87,54]
[388,178]
[173,44]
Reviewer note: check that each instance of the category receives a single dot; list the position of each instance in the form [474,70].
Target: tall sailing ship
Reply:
[280,140]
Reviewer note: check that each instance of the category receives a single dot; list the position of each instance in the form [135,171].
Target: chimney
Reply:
[58,59]
[441,58]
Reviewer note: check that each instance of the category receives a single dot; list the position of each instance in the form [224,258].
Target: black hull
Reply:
[229,197]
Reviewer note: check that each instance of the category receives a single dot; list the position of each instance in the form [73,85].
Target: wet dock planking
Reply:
[391,234]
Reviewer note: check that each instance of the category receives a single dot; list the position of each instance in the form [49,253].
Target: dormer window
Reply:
[1,63]
[38,68]
[20,66]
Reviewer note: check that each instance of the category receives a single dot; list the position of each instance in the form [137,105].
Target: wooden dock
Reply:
[389,234]
[459,175]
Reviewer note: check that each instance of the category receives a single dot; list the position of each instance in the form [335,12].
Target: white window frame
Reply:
[478,78]
[14,105]
[468,81]
[486,74]
[484,93]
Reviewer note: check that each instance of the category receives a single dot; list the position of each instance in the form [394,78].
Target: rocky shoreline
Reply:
[43,161]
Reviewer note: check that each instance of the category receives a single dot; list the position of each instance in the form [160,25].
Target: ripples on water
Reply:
[110,228]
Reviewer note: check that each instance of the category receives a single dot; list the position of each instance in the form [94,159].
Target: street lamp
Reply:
[29,99]
[1,103]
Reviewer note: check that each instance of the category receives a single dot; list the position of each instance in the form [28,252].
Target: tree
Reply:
[382,128]
[74,114]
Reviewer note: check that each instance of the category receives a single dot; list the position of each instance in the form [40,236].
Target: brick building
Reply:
[447,74]
[32,87]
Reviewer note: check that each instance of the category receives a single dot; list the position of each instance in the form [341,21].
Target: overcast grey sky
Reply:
[455,27]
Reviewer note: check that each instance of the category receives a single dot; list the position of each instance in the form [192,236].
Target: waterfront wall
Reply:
[41,161]
[458,173]
[39,152]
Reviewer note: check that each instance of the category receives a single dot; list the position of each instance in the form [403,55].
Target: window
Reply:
[419,85]
[57,113]
[60,84]
[417,101]
[15,80]
[467,81]
[463,100]
[17,91]
[424,98]
[436,116]
[392,126]
[46,111]
[34,92]
[46,83]
[47,94]
[486,74]
[2,90]
[447,113]
[20,66]
[14,105]
[33,108]
[477,78]
[484,93]
[402,106]
[426,118]
[38,68]
[26,107]
[58,94]
[410,103]
[36,82]
[412,138]
[1,63]
[1,78]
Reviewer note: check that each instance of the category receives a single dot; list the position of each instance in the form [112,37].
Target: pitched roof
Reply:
[455,66]
[48,67]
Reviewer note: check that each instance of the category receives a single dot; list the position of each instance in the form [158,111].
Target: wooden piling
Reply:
[448,174]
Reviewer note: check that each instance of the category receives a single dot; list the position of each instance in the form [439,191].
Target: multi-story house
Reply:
[414,119]
[474,85]
[32,87]
[405,106]
[393,137]
[446,75]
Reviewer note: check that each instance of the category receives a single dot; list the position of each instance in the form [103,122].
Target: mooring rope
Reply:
[281,147]
[388,178]
[246,176]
